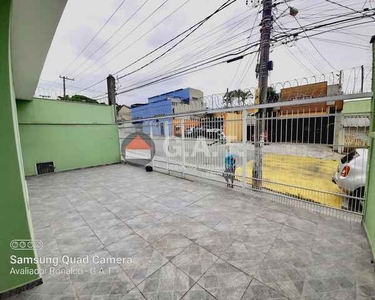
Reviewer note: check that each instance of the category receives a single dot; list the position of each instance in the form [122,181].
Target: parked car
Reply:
[211,133]
[189,132]
[222,138]
[351,178]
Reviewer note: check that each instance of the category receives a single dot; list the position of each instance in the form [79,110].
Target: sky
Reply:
[136,29]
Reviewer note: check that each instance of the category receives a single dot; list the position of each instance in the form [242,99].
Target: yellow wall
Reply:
[233,127]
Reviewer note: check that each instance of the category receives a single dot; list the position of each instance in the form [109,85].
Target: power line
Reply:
[174,75]
[194,67]
[344,6]
[192,30]
[93,38]
[226,4]
[251,33]
[311,61]
[226,54]
[125,37]
[203,49]
[133,43]
[295,34]
[107,40]
[299,61]
[248,67]
[348,44]
[69,86]
[317,50]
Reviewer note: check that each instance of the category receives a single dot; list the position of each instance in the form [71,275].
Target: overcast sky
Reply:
[82,19]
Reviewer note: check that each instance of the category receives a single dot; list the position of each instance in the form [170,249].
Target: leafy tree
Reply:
[272,96]
[82,98]
[239,96]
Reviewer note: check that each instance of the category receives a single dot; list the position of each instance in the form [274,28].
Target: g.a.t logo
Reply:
[26,244]
[138,148]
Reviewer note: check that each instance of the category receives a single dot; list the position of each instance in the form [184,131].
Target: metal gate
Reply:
[310,158]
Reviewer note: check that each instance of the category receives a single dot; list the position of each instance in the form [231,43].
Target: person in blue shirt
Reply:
[230,168]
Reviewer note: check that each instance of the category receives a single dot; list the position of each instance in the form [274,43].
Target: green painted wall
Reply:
[361,106]
[14,221]
[73,135]
[369,221]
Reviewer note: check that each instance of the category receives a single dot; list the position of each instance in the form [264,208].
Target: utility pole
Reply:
[64,78]
[266,28]
[111,90]
[362,77]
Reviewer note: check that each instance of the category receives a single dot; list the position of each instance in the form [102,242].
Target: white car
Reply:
[351,178]
[222,138]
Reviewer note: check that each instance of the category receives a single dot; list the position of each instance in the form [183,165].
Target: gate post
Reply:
[152,138]
[167,137]
[183,146]
[244,150]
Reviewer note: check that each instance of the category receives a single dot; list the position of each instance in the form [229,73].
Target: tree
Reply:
[82,98]
[242,96]
[239,95]
[272,96]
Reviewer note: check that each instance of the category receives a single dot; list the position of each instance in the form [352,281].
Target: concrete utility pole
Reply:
[64,78]
[266,28]
[362,77]
[111,90]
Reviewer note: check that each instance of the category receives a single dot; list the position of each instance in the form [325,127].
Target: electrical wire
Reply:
[191,29]
[317,50]
[204,49]
[239,65]
[203,63]
[342,43]
[124,38]
[137,40]
[108,39]
[341,5]
[167,77]
[93,38]
[224,55]
[295,34]
[248,67]
[176,75]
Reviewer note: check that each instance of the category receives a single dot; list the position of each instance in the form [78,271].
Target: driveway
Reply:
[153,236]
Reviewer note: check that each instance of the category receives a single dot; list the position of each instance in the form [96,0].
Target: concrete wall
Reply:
[72,135]
[14,213]
[358,106]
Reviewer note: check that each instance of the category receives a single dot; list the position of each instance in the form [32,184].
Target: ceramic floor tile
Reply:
[171,244]
[143,264]
[166,283]
[197,293]
[224,281]
[244,257]
[194,261]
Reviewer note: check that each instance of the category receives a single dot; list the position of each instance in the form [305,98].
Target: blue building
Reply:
[163,105]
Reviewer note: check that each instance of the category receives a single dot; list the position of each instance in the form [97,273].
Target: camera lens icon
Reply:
[14,245]
[26,244]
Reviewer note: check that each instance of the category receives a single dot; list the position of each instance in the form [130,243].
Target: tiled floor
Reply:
[189,240]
